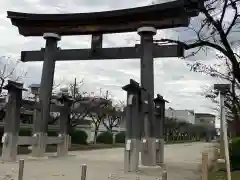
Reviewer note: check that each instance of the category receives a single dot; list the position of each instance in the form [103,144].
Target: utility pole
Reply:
[223,89]
[74,88]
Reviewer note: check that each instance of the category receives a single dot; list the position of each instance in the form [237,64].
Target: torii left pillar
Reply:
[12,121]
[41,124]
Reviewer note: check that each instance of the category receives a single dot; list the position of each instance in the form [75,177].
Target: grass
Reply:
[221,175]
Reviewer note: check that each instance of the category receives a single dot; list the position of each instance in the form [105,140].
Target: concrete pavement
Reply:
[182,161]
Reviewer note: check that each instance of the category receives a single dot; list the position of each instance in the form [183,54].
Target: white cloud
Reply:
[172,78]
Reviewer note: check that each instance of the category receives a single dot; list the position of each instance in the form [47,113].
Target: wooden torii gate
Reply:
[146,20]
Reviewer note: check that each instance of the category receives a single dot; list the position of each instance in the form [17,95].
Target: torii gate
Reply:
[145,20]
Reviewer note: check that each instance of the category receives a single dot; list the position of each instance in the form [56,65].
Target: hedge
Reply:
[234,151]
[28,132]
[79,137]
[105,138]
[25,132]
[120,137]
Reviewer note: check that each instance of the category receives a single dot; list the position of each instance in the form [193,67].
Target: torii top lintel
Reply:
[161,16]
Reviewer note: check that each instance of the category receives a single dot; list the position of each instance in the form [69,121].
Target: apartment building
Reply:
[205,119]
[181,115]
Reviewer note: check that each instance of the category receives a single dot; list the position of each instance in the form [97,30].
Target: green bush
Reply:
[120,137]
[25,132]
[1,132]
[234,151]
[105,138]
[22,132]
[79,137]
[52,133]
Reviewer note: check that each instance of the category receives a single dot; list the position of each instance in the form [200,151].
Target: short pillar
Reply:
[148,143]
[12,121]
[39,144]
[40,134]
[62,148]
[147,82]
[160,117]
[131,155]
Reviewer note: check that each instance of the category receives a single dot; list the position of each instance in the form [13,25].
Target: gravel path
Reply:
[182,161]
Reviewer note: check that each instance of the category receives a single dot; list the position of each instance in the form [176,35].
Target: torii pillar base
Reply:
[148,152]
[9,148]
[39,145]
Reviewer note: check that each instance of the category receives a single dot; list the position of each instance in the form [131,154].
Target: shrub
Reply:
[234,151]
[105,138]
[1,132]
[52,133]
[79,137]
[25,132]
[120,137]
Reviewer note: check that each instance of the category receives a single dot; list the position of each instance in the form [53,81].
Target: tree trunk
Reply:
[95,135]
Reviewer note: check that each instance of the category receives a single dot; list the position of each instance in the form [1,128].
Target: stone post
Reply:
[148,155]
[12,121]
[160,117]
[222,89]
[131,155]
[62,148]
[41,124]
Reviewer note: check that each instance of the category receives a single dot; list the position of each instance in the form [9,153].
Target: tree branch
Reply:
[236,15]
[195,45]
[224,11]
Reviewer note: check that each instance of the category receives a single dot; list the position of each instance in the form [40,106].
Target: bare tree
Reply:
[232,97]
[113,118]
[214,32]
[83,103]
[111,113]
[215,28]
[99,114]
[9,71]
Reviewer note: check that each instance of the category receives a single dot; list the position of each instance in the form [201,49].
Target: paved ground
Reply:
[181,160]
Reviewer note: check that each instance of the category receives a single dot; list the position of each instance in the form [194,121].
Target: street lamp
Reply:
[35,90]
[159,129]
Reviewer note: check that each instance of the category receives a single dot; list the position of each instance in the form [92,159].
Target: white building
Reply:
[181,115]
[205,119]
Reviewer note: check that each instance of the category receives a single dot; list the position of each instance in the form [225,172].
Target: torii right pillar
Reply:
[148,154]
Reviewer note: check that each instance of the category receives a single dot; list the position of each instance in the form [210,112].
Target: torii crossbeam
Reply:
[104,53]
[161,16]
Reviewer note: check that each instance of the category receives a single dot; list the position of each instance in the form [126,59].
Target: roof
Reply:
[14,85]
[191,111]
[204,115]
[160,99]
[34,86]
[161,16]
